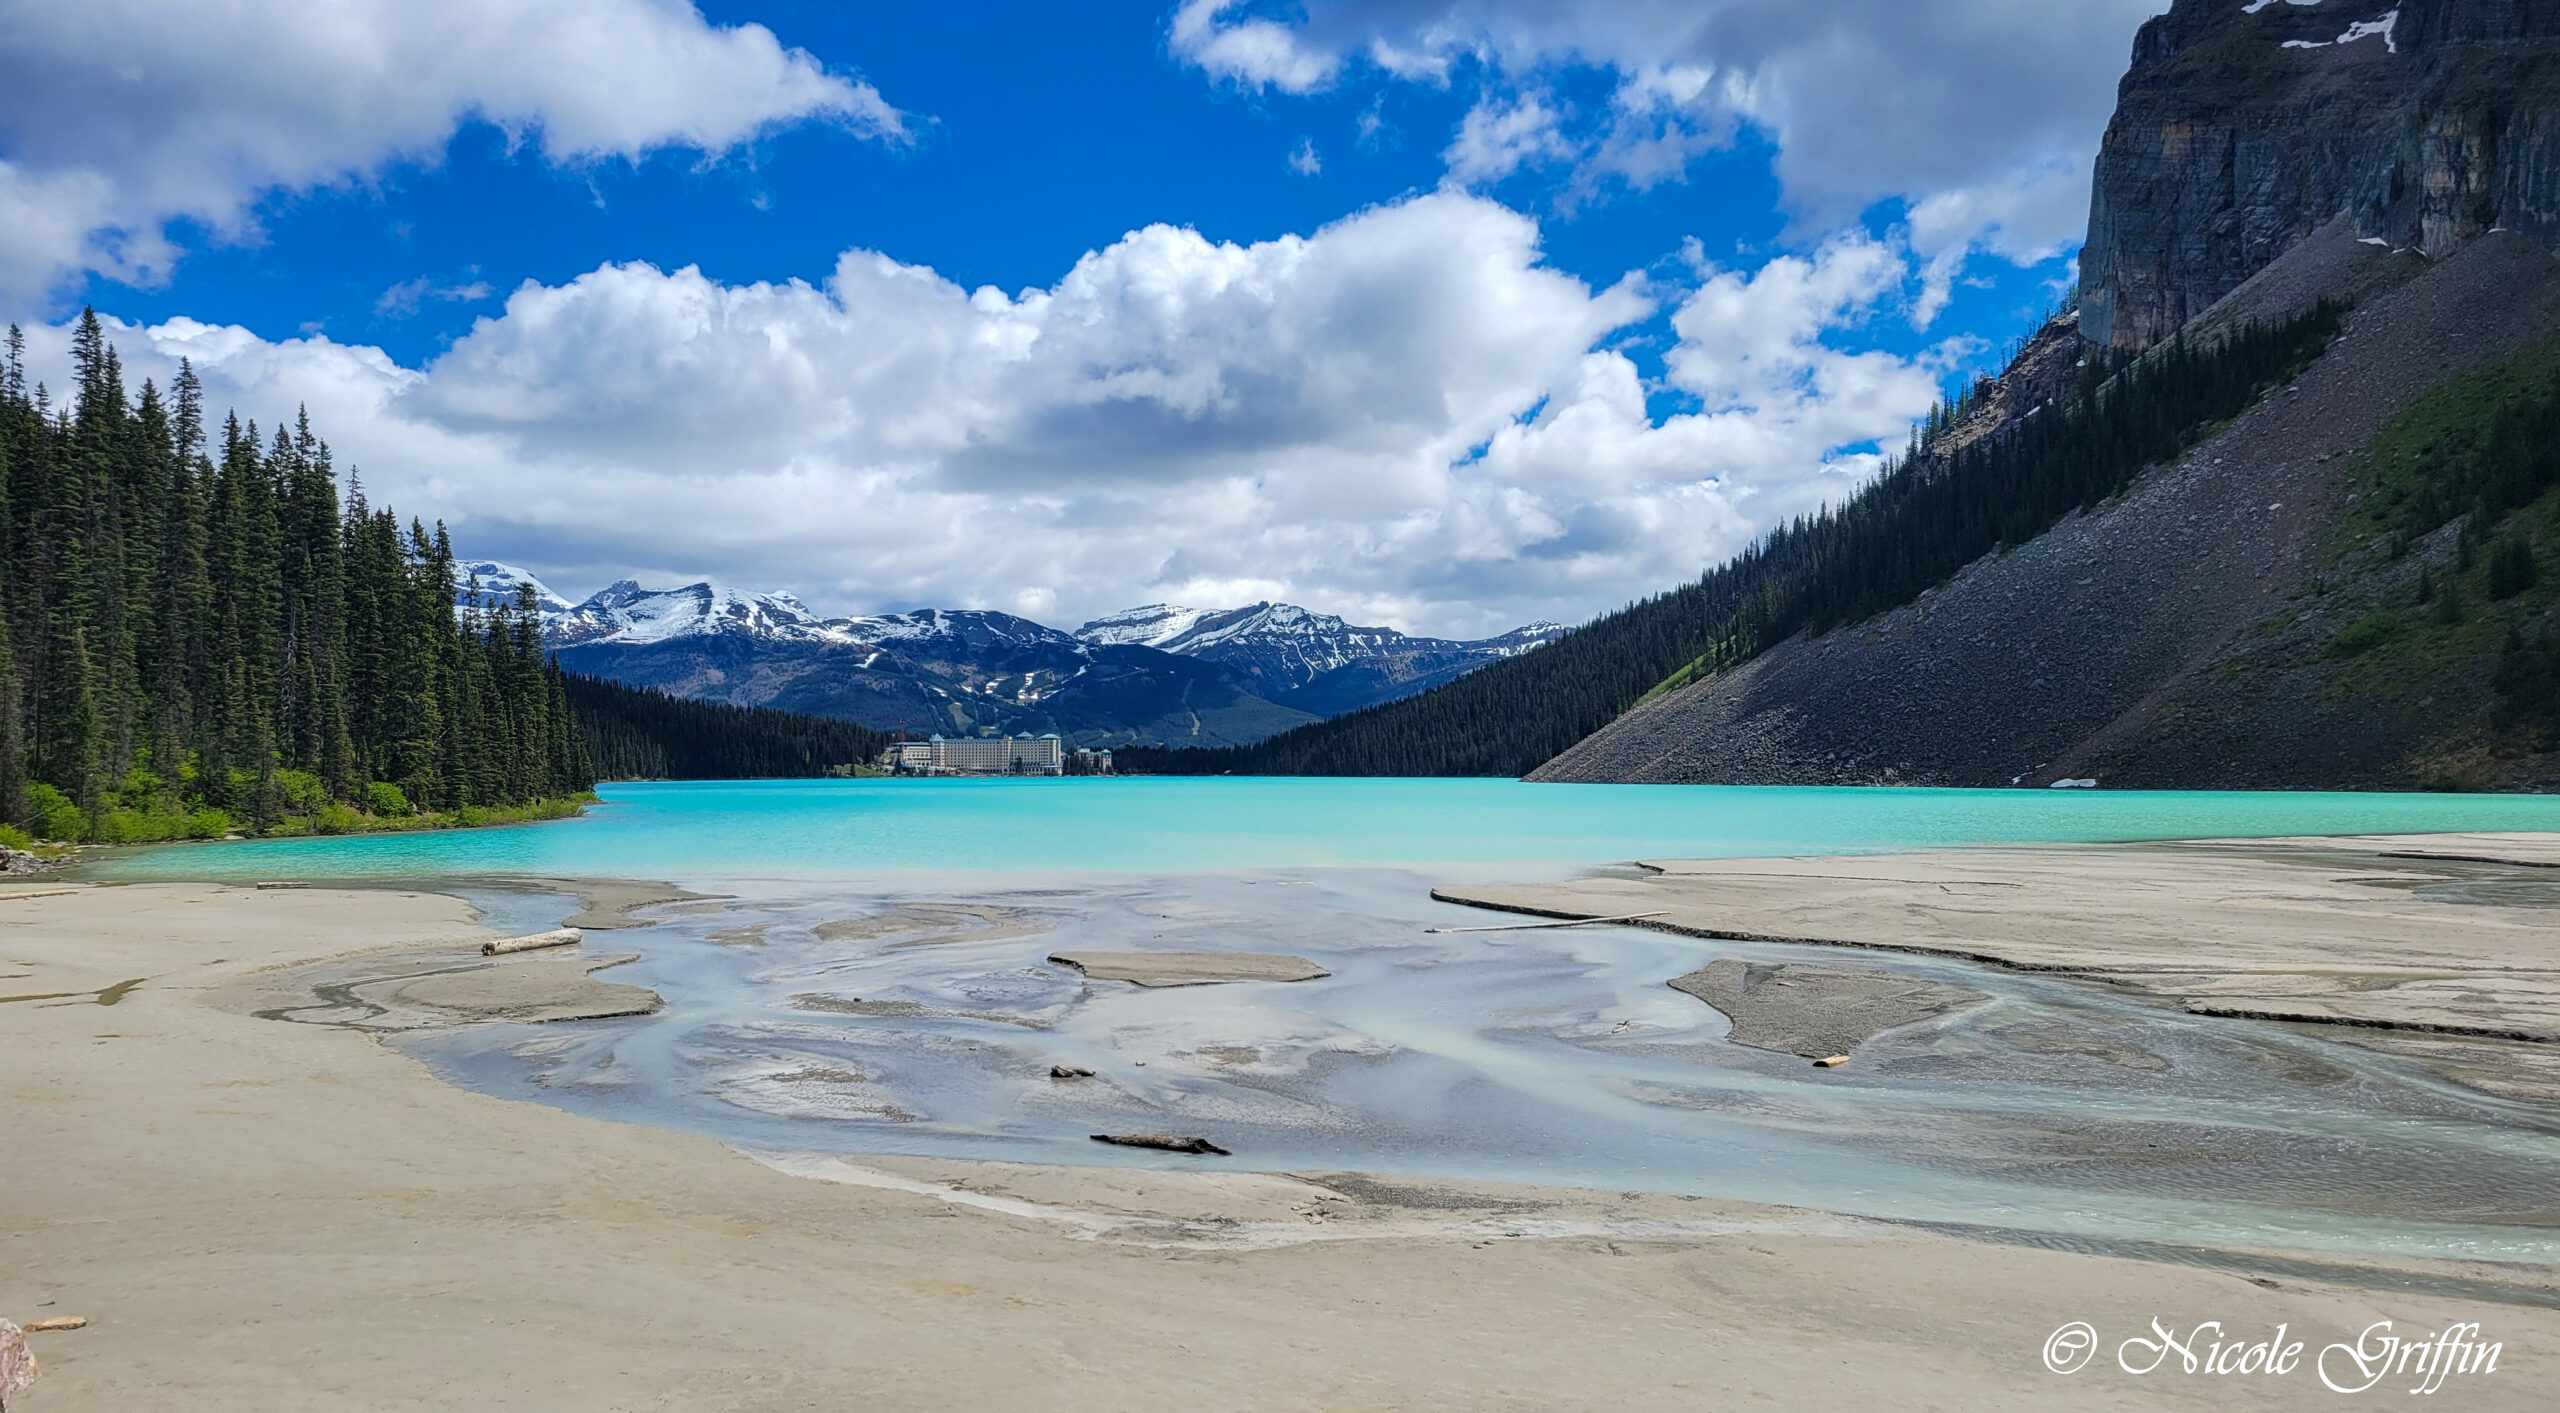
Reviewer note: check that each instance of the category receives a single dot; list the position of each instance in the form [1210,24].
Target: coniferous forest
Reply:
[1930,514]
[205,637]
[641,733]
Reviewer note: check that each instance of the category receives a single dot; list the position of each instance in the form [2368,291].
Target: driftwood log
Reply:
[1166,1142]
[556,937]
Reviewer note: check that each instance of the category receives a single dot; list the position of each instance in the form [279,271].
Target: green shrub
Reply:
[335,818]
[302,792]
[386,800]
[12,837]
[154,820]
[208,824]
[125,826]
[2366,634]
[55,816]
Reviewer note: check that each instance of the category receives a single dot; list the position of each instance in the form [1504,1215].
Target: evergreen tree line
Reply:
[641,733]
[202,636]
[1930,514]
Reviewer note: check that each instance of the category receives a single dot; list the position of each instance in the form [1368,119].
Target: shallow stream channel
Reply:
[925,1018]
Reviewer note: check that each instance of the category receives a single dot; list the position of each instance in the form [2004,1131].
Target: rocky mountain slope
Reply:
[1160,675]
[2195,630]
[952,672]
[1312,662]
[2243,127]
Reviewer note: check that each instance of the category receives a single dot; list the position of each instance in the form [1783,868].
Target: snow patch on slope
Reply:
[2362,29]
[1151,626]
[497,587]
[628,613]
[1286,646]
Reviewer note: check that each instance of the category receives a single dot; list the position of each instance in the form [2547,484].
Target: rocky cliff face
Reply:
[2244,125]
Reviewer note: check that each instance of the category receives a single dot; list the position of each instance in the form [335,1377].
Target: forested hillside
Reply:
[202,637]
[1928,516]
[641,733]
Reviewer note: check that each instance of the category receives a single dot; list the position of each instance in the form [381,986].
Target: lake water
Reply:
[873,979]
[817,830]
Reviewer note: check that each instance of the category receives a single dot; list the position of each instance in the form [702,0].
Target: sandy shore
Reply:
[256,1214]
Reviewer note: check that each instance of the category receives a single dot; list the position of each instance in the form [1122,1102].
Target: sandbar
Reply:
[1189,968]
[1817,1011]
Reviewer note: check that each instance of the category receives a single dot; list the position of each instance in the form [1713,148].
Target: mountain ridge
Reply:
[1313,662]
[1154,675]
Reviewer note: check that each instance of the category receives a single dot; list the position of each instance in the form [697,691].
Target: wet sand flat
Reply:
[261,1215]
[2452,935]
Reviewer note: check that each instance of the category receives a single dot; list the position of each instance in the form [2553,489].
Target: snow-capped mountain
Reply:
[487,583]
[1288,651]
[1156,674]
[1316,642]
[626,613]
[956,672]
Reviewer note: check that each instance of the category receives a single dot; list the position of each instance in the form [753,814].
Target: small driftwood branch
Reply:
[1166,1142]
[556,937]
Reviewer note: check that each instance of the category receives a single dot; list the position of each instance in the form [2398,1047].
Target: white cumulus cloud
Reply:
[1985,114]
[1499,138]
[118,117]
[1406,416]
[1252,51]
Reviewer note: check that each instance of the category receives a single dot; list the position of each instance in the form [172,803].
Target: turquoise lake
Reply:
[847,829]
[870,975]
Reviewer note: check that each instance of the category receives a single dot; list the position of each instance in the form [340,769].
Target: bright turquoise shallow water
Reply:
[835,829]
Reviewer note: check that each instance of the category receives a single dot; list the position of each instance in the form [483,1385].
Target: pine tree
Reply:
[192,642]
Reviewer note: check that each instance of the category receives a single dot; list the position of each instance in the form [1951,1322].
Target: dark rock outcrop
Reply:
[2243,127]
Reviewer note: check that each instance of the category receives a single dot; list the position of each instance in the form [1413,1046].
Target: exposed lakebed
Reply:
[832,1020]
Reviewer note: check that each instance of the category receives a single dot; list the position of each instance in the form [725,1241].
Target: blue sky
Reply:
[1464,313]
